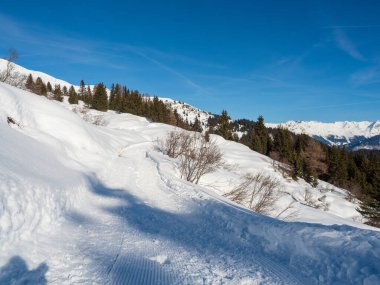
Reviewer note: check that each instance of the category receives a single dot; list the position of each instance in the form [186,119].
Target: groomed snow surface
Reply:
[88,204]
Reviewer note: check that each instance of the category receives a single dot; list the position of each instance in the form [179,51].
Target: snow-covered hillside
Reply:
[354,135]
[100,204]
[45,77]
[189,113]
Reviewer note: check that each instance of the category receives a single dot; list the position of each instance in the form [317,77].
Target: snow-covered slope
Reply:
[354,135]
[189,113]
[45,77]
[88,204]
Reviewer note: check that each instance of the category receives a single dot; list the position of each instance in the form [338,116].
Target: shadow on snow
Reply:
[16,272]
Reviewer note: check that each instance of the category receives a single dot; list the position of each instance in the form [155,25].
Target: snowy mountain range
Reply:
[353,135]
[85,203]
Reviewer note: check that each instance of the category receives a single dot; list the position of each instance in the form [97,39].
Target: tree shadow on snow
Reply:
[226,233]
[16,272]
[206,230]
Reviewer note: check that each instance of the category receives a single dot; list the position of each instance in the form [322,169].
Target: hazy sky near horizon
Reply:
[285,60]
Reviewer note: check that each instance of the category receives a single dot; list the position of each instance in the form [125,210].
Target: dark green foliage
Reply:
[29,84]
[73,96]
[223,126]
[260,137]
[88,97]
[65,91]
[283,144]
[100,99]
[196,126]
[40,87]
[57,93]
[82,91]
[49,88]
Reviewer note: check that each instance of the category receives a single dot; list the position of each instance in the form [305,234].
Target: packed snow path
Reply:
[125,239]
[85,204]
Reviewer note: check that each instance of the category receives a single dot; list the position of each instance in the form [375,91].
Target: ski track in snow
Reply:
[114,252]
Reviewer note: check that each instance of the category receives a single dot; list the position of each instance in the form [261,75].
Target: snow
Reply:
[339,129]
[337,133]
[45,77]
[100,204]
[187,112]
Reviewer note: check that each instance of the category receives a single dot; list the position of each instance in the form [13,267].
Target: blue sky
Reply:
[286,60]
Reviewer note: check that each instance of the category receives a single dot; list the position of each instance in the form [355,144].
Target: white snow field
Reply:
[88,204]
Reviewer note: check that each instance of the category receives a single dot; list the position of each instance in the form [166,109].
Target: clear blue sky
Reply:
[286,60]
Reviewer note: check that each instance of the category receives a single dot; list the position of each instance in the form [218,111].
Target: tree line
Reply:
[307,158]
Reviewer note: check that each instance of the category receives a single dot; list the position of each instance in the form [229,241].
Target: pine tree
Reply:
[57,93]
[196,126]
[260,137]
[308,173]
[73,96]
[30,83]
[39,87]
[224,126]
[49,88]
[112,100]
[370,205]
[82,91]
[65,91]
[100,99]
[88,97]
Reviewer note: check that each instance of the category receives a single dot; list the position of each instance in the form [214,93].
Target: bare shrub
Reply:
[260,192]
[176,143]
[98,120]
[12,121]
[319,203]
[88,117]
[288,212]
[8,75]
[196,155]
[283,169]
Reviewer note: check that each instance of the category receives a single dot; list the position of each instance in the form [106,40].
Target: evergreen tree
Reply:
[224,126]
[82,91]
[260,137]
[100,99]
[29,83]
[370,205]
[49,88]
[73,96]
[283,144]
[88,97]
[196,126]
[65,91]
[112,101]
[39,87]
[57,93]
[309,173]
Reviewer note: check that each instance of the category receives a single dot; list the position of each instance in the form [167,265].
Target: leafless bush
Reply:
[9,75]
[288,212]
[260,192]
[12,121]
[319,203]
[196,155]
[282,168]
[177,143]
[88,117]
